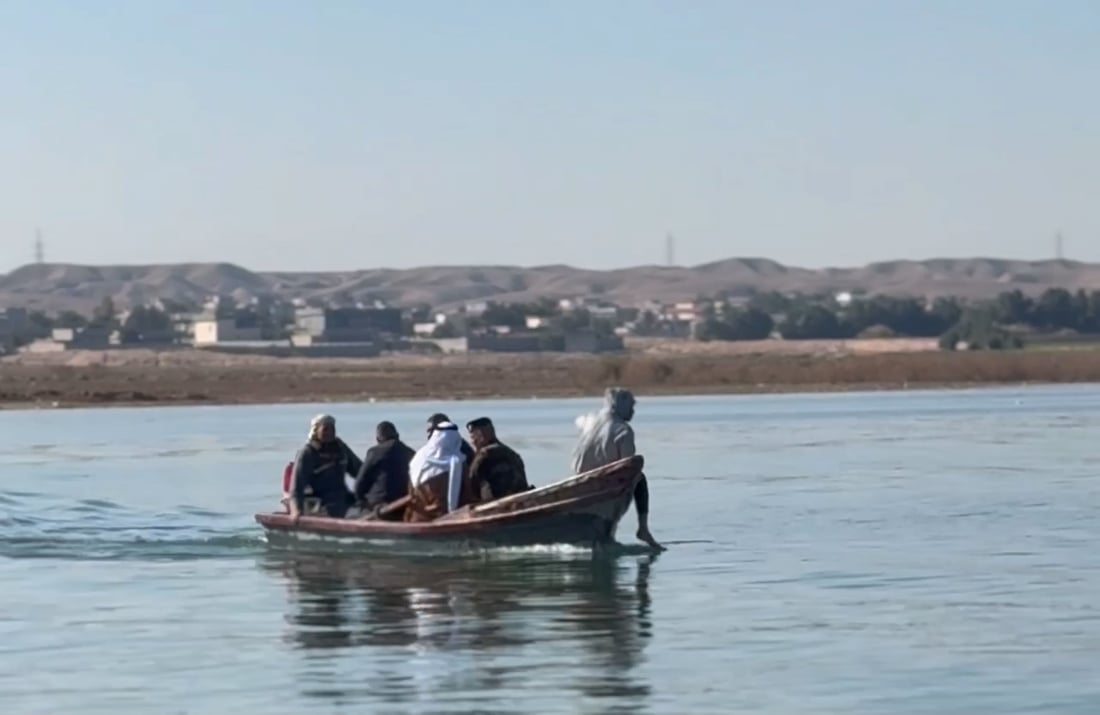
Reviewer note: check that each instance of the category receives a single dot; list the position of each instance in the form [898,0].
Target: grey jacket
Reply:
[609,437]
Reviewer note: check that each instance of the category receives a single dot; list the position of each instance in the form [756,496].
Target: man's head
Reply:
[481,432]
[444,440]
[385,431]
[621,402]
[322,428]
[435,420]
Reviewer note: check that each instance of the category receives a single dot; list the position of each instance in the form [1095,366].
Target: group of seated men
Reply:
[446,473]
[391,471]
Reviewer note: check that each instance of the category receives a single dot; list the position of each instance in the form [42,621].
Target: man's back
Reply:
[497,470]
[608,440]
[385,473]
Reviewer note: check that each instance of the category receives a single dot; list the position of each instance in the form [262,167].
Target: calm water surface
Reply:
[865,553]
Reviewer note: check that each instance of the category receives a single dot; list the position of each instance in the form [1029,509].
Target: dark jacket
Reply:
[321,468]
[497,471]
[384,475]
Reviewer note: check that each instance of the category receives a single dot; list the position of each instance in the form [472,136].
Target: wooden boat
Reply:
[584,509]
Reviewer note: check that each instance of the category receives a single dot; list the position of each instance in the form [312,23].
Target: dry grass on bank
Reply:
[175,379]
[852,346]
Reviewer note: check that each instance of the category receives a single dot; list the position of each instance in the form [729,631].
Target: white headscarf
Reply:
[315,425]
[441,453]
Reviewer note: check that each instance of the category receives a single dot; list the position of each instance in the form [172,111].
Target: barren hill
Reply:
[76,287]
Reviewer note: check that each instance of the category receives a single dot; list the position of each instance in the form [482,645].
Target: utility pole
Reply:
[39,247]
[670,250]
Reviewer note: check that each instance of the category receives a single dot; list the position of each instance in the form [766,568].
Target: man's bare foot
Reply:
[644,535]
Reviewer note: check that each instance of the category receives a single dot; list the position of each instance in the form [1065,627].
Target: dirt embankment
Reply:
[129,377]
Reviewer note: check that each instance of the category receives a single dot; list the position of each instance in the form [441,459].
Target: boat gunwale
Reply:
[635,462]
[469,521]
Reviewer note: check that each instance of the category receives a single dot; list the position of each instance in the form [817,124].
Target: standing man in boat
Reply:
[321,465]
[384,476]
[609,437]
[497,470]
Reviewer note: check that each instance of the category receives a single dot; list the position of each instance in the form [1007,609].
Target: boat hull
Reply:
[581,510]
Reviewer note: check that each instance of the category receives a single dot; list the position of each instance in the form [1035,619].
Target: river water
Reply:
[908,552]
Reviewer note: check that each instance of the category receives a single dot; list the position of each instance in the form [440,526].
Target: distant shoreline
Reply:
[57,287]
[147,378]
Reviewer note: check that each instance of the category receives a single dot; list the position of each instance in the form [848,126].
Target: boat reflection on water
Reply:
[505,632]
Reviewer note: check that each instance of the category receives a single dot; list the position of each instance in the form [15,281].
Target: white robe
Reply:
[606,436]
[441,453]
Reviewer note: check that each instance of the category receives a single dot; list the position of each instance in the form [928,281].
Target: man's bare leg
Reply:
[641,506]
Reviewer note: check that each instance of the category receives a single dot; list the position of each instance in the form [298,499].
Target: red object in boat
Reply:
[288,472]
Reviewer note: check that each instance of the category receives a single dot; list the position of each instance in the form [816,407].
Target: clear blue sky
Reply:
[286,134]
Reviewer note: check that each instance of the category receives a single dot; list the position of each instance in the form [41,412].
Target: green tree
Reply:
[1080,305]
[979,329]
[713,329]
[945,313]
[104,316]
[749,324]
[903,316]
[1092,319]
[1013,307]
[771,302]
[603,328]
[39,324]
[225,309]
[145,323]
[421,313]
[1055,309]
[510,314]
[543,308]
[445,330]
[647,324]
[579,319]
[814,322]
[70,319]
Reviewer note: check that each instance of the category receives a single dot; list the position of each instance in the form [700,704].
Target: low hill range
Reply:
[56,287]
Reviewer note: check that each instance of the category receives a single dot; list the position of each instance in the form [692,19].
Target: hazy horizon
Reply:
[533,266]
[283,136]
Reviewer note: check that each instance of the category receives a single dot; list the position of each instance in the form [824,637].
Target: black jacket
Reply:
[384,475]
[468,452]
[321,468]
[497,471]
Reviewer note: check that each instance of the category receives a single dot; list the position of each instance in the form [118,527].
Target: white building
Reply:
[213,332]
[685,312]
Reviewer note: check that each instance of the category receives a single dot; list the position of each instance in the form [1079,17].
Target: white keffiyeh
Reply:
[442,453]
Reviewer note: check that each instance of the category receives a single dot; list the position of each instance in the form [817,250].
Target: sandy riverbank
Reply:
[129,377]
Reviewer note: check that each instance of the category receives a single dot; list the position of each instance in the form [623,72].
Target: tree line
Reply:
[996,323]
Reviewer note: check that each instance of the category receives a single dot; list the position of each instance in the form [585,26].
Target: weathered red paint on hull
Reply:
[583,509]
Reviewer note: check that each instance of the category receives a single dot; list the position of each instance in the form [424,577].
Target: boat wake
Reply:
[84,538]
[154,544]
[37,526]
[137,548]
[374,547]
[40,526]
